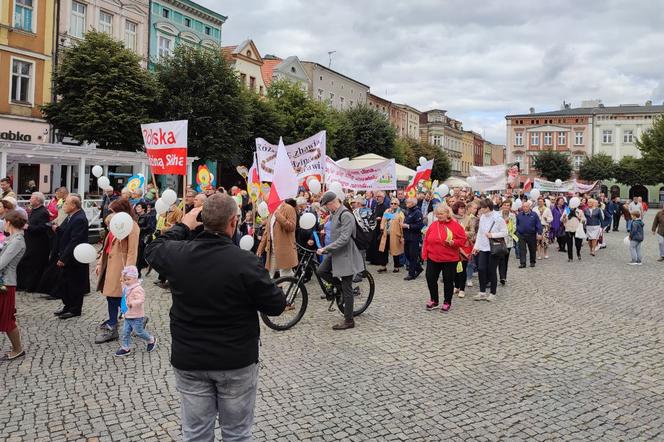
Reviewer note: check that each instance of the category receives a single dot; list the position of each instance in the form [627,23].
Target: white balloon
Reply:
[97,171]
[247,242]
[314,186]
[262,209]
[161,207]
[534,194]
[307,221]
[574,202]
[169,196]
[121,225]
[627,240]
[559,182]
[103,182]
[517,204]
[422,161]
[85,253]
[443,190]
[336,188]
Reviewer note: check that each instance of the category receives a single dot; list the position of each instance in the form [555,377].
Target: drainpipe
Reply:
[54,58]
[149,31]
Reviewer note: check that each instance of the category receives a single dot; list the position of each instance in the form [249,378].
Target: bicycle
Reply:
[297,296]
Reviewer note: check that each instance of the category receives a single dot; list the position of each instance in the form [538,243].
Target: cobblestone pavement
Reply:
[567,352]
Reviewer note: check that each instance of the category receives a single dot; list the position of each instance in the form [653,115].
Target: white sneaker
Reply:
[461,294]
[546,256]
[481,296]
[456,291]
[633,263]
[490,297]
[539,257]
[469,283]
[639,263]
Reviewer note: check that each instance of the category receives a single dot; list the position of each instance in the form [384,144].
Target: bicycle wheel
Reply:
[363,293]
[296,304]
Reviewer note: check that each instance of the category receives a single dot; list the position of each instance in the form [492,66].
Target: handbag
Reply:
[580,232]
[498,246]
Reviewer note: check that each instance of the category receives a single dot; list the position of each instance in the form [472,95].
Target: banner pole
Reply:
[184,193]
[154,183]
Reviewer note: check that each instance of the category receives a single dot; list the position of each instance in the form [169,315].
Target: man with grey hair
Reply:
[217,289]
[37,245]
[529,230]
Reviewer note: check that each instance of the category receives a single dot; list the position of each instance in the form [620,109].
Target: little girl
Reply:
[635,238]
[133,298]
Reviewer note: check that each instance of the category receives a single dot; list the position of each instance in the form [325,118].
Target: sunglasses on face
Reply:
[394,204]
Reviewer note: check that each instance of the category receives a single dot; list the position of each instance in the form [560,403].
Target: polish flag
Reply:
[527,185]
[284,183]
[423,173]
[253,181]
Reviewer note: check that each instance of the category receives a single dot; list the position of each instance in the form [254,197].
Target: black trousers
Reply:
[503,264]
[562,242]
[345,283]
[571,239]
[449,272]
[74,283]
[487,265]
[412,251]
[460,277]
[529,240]
[616,220]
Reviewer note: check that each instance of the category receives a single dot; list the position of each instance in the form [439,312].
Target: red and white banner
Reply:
[380,176]
[423,174]
[284,185]
[306,156]
[166,146]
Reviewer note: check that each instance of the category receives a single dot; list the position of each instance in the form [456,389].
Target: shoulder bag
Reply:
[498,246]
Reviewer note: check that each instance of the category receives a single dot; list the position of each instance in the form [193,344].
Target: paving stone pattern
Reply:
[567,352]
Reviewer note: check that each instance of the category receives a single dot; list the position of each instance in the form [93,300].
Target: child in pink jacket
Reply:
[133,300]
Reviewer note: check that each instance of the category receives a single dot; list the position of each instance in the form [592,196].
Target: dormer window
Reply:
[248,53]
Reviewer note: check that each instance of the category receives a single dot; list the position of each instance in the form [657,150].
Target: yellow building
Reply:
[467,144]
[26,47]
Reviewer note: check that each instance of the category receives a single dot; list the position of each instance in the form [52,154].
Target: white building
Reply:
[290,69]
[339,91]
[247,62]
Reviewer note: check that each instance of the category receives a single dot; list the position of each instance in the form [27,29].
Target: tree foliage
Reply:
[553,165]
[302,116]
[598,167]
[414,149]
[632,171]
[104,94]
[371,132]
[199,85]
[651,145]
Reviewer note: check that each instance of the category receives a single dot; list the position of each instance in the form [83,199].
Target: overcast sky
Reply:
[480,60]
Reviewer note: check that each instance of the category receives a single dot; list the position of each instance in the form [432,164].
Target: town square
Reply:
[266,221]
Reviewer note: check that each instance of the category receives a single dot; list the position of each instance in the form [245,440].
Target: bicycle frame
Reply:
[308,261]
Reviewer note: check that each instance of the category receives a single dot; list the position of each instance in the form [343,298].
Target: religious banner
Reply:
[380,176]
[307,157]
[166,146]
[489,177]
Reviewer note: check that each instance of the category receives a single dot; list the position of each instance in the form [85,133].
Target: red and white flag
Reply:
[253,181]
[166,146]
[527,185]
[423,173]
[284,181]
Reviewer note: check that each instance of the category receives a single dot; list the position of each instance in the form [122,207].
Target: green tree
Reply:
[414,149]
[599,167]
[339,135]
[371,131]
[553,165]
[199,85]
[651,145]
[104,94]
[302,116]
[266,122]
[632,171]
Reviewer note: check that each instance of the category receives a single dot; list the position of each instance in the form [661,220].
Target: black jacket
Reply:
[415,223]
[71,233]
[217,288]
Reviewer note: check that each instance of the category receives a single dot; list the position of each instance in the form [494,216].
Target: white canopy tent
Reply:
[403,173]
[454,181]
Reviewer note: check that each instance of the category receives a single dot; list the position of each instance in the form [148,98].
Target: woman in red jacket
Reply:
[440,250]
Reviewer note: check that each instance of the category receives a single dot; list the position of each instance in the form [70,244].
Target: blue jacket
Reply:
[636,231]
[415,223]
[528,223]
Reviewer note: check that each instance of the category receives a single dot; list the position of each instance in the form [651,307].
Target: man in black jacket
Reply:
[37,243]
[217,289]
[412,233]
[74,281]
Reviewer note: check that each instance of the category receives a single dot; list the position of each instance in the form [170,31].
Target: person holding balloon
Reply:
[120,249]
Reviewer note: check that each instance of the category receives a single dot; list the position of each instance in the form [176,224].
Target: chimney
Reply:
[532,110]
[649,103]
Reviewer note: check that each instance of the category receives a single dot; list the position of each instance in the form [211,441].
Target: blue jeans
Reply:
[635,250]
[135,325]
[470,269]
[230,394]
[660,239]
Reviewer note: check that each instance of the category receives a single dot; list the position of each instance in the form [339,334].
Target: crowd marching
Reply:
[452,237]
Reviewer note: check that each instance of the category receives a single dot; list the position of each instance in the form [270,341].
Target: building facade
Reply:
[399,120]
[478,149]
[126,22]
[467,145]
[486,153]
[412,121]
[440,130]
[290,69]
[380,104]
[247,62]
[331,87]
[175,22]
[26,47]
[497,154]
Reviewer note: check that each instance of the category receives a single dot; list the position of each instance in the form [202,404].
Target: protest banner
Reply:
[307,157]
[565,187]
[489,177]
[380,176]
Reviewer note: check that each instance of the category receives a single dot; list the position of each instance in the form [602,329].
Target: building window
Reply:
[351,103]
[77,25]
[331,97]
[187,22]
[105,23]
[243,79]
[437,140]
[320,94]
[578,159]
[519,159]
[341,100]
[534,139]
[252,83]
[548,138]
[561,139]
[23,14]
[130,35]
[628,137]
[578,138]
[208,30]
[607,136]
[165,13]
[22,72]
[260,90]
[518,139]
[165,46]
